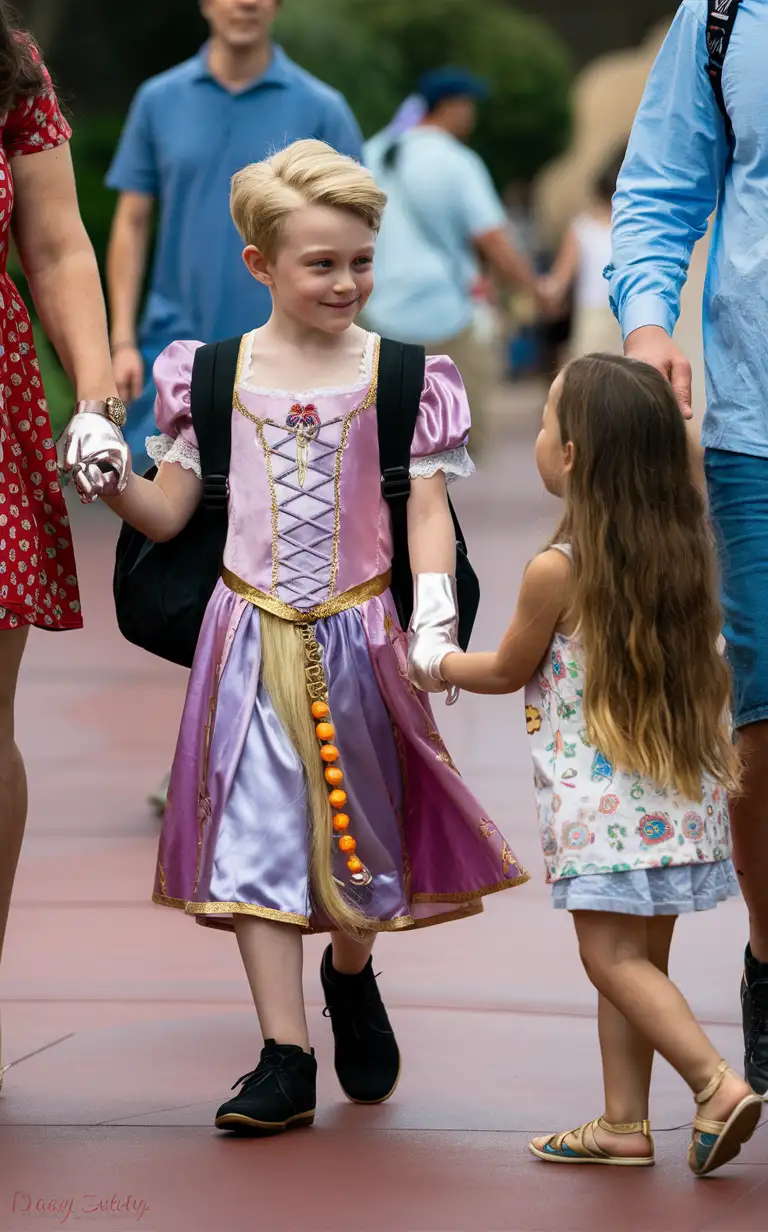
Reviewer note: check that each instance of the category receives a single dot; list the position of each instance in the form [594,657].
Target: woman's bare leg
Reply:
[13,781]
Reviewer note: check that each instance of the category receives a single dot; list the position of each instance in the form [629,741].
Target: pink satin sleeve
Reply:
[444,417]
[173,376]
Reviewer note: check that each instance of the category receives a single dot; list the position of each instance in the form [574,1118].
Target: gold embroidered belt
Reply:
[285,611]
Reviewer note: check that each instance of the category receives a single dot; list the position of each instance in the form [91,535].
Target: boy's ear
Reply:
[256,264]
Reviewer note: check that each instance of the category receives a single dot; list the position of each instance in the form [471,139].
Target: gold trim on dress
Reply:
[401,923]
[285,611]
[464,896]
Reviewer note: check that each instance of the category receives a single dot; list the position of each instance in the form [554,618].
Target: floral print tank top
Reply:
[594,817]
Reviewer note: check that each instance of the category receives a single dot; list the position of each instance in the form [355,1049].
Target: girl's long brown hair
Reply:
[645,584]
[20,73]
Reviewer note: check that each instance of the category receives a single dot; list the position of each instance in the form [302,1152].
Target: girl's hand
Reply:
[541,605]
[447,663]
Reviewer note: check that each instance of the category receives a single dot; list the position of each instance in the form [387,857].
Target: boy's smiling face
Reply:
[322,272]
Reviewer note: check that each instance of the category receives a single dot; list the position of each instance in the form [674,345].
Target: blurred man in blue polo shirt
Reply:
[188,131]
[443,219]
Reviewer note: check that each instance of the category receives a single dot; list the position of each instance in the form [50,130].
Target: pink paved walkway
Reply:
[125,1024]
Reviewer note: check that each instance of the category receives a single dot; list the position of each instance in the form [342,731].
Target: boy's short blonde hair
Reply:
[305,173]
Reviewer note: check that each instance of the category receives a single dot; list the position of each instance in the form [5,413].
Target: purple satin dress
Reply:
[303,530]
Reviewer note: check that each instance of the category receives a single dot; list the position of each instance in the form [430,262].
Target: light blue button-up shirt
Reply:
[185,137]
[679,168]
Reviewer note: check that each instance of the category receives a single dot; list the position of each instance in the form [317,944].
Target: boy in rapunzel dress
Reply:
[311,790]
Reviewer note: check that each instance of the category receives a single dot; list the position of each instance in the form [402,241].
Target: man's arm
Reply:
[134,174]
[126,265]
[667,190]
[486,223]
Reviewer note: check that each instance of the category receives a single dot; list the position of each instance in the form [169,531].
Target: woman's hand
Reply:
[94,450]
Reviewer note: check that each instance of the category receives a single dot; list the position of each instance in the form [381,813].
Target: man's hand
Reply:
[653,346]
[93,449]
[128,366]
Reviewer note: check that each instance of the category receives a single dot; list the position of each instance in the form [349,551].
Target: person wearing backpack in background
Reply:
[700,144]
[311,789]
[445,226]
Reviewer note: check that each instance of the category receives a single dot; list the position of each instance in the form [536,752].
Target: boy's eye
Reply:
[325,263]
[364,261]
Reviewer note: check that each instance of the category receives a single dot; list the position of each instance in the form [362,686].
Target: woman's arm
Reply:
[60,265]
[159,509]
[541,605]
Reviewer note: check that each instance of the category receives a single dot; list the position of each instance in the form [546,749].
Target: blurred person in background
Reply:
[578,270]
[187,133]
[444,224]
[700,145]
[38,581]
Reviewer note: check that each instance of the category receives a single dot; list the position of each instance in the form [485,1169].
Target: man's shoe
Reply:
[366,1056]
[754,1008]
[279,1094]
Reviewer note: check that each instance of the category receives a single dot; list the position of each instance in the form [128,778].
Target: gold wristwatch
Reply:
[111,408]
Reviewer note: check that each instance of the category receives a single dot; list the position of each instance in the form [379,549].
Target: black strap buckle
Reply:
[216,492]
[395,483]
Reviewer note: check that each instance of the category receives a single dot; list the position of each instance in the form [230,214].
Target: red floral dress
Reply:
[38,583]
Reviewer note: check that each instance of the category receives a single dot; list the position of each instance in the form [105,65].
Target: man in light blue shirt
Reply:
[443,218]
[188,131]
[689,156]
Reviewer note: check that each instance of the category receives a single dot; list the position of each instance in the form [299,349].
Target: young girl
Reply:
[615,642]
[583,255]
[311,789]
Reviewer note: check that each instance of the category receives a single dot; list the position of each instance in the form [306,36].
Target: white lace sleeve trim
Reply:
[454,463]
[166,449]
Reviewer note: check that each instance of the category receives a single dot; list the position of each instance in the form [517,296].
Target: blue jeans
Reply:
[738,501]
[141,414]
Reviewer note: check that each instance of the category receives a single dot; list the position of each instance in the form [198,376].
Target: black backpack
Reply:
[161,590]
[721,17]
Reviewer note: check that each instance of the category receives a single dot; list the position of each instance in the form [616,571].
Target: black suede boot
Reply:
[279,1094]
[754,1009]
[367,1057]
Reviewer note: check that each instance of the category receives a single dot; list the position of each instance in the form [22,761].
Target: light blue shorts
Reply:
[653,891]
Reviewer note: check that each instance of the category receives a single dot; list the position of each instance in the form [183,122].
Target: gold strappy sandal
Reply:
[715,1143]
[554,1149]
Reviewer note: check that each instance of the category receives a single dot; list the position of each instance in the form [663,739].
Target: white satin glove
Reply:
[433,632]
[92,448]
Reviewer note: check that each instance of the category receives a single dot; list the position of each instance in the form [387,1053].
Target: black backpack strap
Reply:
[721,16]
[213,379]
[398,397]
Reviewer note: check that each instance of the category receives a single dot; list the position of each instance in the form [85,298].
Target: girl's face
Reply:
[553,459]
[322,274]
